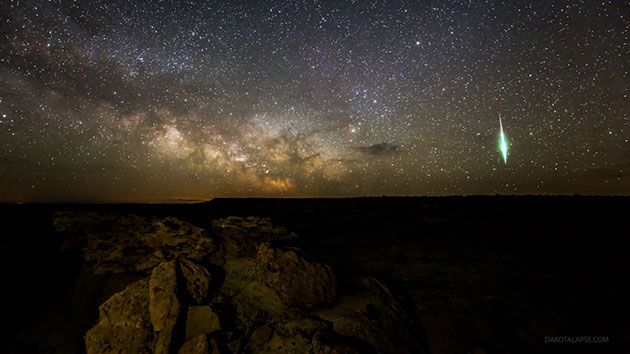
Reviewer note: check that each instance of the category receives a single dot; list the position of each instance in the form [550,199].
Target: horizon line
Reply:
[200,200]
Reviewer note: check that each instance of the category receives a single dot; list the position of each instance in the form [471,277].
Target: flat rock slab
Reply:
[123,325]
[163,304]
[201,320]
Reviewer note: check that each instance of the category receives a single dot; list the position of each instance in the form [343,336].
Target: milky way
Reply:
[170,100]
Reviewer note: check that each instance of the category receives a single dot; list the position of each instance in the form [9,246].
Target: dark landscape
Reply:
[325,177]
[475,274]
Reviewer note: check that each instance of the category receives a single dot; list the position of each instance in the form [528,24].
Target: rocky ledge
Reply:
[230,289]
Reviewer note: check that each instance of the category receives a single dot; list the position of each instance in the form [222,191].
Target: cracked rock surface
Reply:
[229,290]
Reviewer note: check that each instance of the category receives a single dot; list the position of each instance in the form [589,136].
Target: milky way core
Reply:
[180,100]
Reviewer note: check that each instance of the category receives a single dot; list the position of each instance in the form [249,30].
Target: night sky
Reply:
[182,100]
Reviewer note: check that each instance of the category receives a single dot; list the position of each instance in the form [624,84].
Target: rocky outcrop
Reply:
[120,244]
[242,236]
[236,290]
[245,294]
[163,304]
[124,325]
[297,281]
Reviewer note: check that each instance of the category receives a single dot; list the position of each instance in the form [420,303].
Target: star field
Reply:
[168,100]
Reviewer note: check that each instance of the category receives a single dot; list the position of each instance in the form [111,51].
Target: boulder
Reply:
[196,345]
[201,320]
[251,299]
[119,244]
[297,281]
[163,304]
[197,280]
[265,289]
[123,325]
[241,236]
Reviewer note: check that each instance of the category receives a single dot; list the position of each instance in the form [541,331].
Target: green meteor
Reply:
[503,144]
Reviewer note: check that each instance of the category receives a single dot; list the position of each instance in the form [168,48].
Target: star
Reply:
[310,99]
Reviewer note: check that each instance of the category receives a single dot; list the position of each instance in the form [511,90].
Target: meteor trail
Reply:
[503,145]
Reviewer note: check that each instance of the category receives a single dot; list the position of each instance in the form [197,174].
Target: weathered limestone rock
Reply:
[163,304]
[123,325]
[119,244]
[242,236]
[297,281]
[268,296]
[253,301]
[197,280]
[201,320]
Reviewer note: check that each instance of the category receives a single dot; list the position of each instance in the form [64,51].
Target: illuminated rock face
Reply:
[236,292]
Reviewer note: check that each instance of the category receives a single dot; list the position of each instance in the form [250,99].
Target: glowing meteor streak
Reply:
[503,145]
